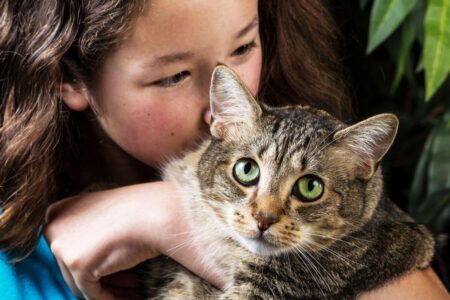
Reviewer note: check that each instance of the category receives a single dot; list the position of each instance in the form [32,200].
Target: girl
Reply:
[103,92]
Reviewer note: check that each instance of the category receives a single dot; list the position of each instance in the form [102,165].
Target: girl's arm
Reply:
[419,284]
[101,233]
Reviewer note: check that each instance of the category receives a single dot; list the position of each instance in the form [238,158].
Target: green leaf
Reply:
[420,66]
[408,34]
[433,212]
[442,219]
[437,45]
[418,17]
[419,183]
[439,163]
[433,169]
[385,17]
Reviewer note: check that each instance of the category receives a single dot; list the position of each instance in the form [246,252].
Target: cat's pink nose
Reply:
[265,220]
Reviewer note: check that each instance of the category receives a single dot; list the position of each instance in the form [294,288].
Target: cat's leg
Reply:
[248,290]
[184,286]
[242,291]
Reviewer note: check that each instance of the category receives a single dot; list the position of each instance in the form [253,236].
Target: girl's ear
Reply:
[75,99]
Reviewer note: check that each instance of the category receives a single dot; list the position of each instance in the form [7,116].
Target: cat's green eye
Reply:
[308,188]
[246,171]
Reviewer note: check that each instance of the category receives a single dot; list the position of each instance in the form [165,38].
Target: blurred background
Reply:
[397,54]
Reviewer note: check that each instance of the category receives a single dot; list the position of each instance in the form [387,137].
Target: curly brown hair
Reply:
[44,43]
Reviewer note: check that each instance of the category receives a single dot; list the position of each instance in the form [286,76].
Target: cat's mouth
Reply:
[260,245]
[264,241]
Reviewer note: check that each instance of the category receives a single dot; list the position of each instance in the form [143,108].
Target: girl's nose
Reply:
[207,116]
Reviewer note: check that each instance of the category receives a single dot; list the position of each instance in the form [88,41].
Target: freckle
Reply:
[172,133]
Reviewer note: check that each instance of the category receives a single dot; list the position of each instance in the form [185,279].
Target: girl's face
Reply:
[153,90]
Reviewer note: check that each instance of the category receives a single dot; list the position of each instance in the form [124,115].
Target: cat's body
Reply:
[289,202]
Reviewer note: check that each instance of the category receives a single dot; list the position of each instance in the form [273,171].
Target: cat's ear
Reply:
[366,142]
[233,108]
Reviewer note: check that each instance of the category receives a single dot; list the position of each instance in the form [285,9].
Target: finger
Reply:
[92,289]
[68,278]
[122,279]
[85,289]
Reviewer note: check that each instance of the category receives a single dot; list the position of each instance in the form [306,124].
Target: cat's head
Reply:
[288,178]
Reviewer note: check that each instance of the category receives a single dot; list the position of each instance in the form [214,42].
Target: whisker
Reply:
[329,276]
[307,263]
[335,239]
[338,255]
[307,254]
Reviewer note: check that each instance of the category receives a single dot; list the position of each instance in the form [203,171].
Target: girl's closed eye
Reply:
[244,49]
[179,77]
[171,81]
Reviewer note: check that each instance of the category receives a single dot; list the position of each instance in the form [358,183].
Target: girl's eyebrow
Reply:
[253,23]
[179,56]
[168,58]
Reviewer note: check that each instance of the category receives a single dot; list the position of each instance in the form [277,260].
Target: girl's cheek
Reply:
[250,73]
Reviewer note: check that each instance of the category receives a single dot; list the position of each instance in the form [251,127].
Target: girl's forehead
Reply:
[187,25]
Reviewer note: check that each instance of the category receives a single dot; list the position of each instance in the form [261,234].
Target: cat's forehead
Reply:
[292,134]
[300,122]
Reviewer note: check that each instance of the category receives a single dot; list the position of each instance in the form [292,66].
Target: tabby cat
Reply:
[290,203]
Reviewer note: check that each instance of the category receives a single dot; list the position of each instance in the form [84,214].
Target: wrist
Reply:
[160,216]
[179,244]
[176,230]
[171,233]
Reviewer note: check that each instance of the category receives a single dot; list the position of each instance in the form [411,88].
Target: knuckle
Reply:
[75,264]
[56,248]
[71,260]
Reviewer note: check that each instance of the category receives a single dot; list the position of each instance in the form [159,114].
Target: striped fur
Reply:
[350,240]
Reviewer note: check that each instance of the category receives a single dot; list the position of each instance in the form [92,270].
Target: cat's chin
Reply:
[259,246]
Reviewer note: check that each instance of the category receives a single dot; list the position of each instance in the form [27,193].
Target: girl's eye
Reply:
[172,80]
[244,49]
[246,171]
[308,188]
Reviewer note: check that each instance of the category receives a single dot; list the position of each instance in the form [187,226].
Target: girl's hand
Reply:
[98,234]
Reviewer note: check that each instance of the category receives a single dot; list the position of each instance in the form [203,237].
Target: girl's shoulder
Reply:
[36,277]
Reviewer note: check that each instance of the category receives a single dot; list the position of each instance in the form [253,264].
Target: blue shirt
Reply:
[35,278]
